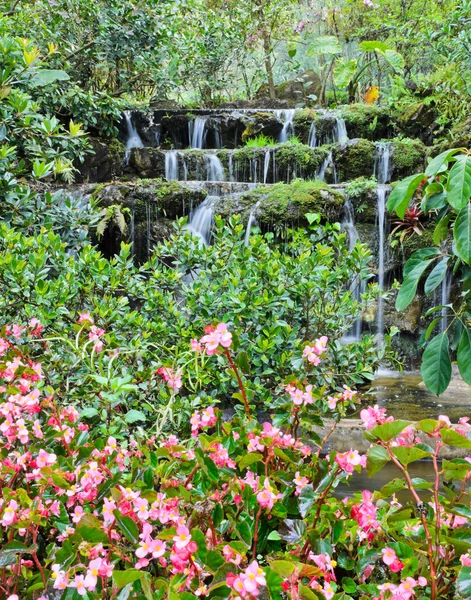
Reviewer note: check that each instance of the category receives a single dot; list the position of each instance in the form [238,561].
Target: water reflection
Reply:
[405,396]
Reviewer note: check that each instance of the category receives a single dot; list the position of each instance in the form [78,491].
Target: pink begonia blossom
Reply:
[196,346]
[389,555]
[36,327]
[373,416]
[315,351]
[249,582]
[45,459]
[300,483]
[85,317]
[183,537]
[205,418]
[173,379]
[215,337]
[465,560]
[79,584]
[349,460]
[266,497]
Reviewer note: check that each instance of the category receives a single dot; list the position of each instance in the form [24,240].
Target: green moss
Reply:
[303,158]
[408,156]
[116,149]
[414,242]
[302,123]
[354,160]
[286,204]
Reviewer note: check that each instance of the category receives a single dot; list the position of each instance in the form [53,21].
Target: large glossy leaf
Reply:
[395,59]
[453,438]
[436,276]
[441,229]
[376,458]
[417,257]
[409,285]
[459,182]
[387,431]
[407,455]
[48,76]
[464,356]
[324,44]
[374,46]
[436,364]
[436,164]
[344,71]
[463,584]
[462,234]
[400,196]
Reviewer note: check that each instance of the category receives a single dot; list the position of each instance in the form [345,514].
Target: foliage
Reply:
[260,141]
[150,314]
[445,190]
[356,188]
[236,510]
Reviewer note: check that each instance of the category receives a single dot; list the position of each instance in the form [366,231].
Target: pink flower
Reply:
[195,346]
[389,556]
[266,497]
[465,560]
[215,337]
[9,513]
[349,460]
[183,537]
[85,317]
[300,482]
[45,459]
[79,584]
[173,379]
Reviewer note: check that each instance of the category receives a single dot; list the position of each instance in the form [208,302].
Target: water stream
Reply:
[214,168]
[201,220]
[312,135]
[171,165]
[197,132]
[133,138]
[286,116]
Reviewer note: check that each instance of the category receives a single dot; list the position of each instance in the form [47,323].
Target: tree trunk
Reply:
[268,66]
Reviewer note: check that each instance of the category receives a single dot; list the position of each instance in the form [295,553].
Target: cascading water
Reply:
[252,222]
[185,167]
[382,172]
[312,136]
[254,168]
[328,162]
[201,220]
[133,139]
[266,165]
[171,165]
[197,132]
[230,167]
[286,117]
[357,286]
[214,168]
[341,136]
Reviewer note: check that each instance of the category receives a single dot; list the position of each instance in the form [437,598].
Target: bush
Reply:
[236,510]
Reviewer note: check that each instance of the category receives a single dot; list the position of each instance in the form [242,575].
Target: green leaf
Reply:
[88,413]
[458,185]
[306,593]
[344,71]
[436,276]
[437,163]
[48,76]
[441,229]
[453,438]
[122,578]
[407,455]
[417,257]
[348,585]
[374,46]
[387,431]
[402,193]
[274,581]
[392,487]
[464,356]
[436,364]
[395,59]
[306,499]
[324,44]
[214,560]
[92,535]
[284,568]
[249,459]
[242,361]
[376,458]
[462,233]
[409,285]
[128,527]
[134,415]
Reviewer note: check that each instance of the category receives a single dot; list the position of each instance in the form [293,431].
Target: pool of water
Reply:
[405,397]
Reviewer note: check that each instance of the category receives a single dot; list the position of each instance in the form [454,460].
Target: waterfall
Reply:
[197,132]
[133,139]
[214,168]
[201,220]
[157,136]
[253,168]
[148,227]
[230,166]
[357,287]
[312,136]
[328,162]
[341,136]
[286,117]
[383,166]
[382,171]
[252,222]
[266,165]
[171,165]
[185,167]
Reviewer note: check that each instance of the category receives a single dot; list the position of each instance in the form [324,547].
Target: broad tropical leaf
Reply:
[436,364]
[462,234]
[459,182]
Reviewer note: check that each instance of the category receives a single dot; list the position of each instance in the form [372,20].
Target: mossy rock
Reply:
[408,157]
[362,193]
[354,159]
[302,123]
[367,121]
[284,204]
[414,242]
[417,120]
